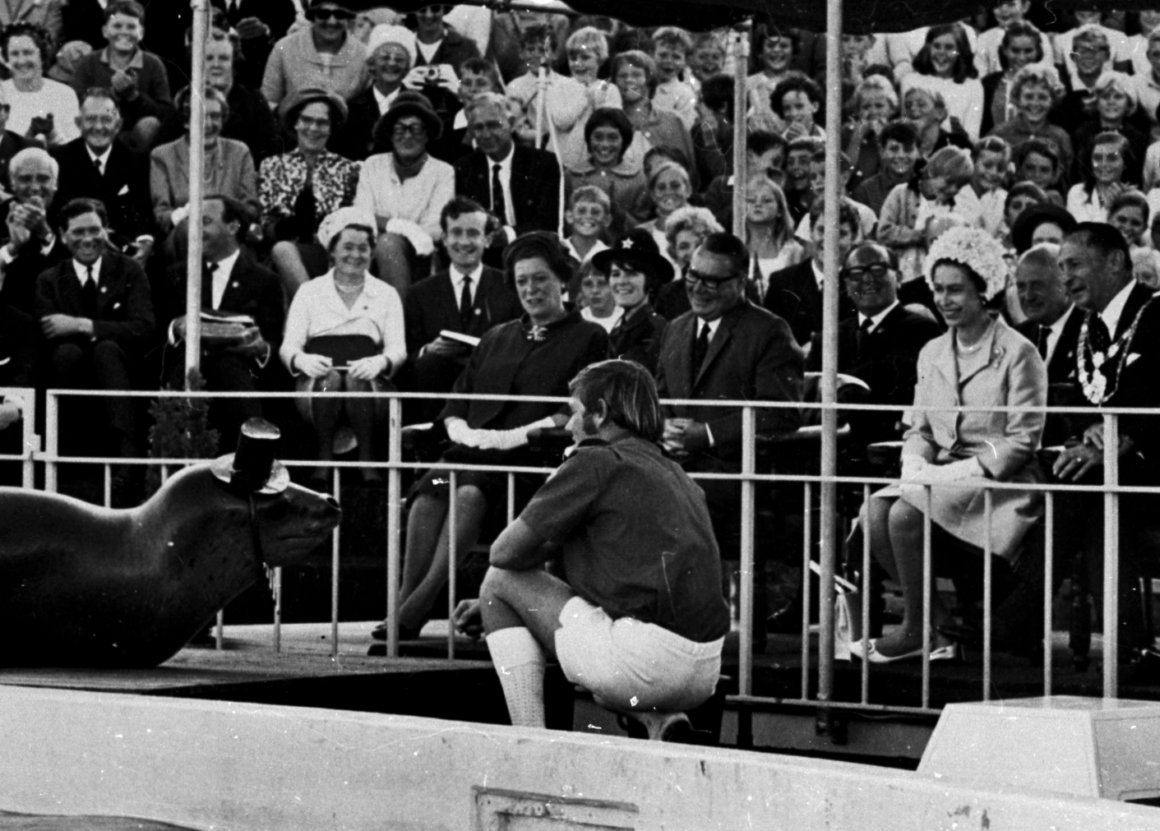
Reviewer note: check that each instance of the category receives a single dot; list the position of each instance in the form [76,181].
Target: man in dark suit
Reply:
[519,185]
[232,284]
[469,298]
[795,293]
[725,348]
[1117,364]
[32,244]
[97,166]
[879,344]
[96,315]
[1053,324]
[259,25]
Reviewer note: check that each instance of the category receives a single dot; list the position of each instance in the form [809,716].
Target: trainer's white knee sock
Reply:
[519,662]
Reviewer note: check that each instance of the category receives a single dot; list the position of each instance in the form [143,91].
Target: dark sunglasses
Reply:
[875,272]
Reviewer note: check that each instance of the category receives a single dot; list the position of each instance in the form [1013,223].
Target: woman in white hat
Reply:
[391,54]
[344,332]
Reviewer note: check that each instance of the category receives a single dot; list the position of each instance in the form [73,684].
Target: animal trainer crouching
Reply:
[84,586]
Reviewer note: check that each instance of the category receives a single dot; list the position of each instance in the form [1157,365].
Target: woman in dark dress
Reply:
[635,269]
[536,355]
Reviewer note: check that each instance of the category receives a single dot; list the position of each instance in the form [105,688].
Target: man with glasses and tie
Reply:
[325,55]
[519,185]
[96,315]
[1117,365]
[725,349]
[468,298]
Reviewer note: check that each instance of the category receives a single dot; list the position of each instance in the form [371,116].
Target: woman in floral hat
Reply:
[978,362]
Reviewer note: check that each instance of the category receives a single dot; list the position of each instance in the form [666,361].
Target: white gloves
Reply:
[420,240]
[460,433]
[918,471]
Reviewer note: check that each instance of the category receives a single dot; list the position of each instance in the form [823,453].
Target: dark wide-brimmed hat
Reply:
[408,103]
[297,101]
[639,251]
[1033,217]
[253,468]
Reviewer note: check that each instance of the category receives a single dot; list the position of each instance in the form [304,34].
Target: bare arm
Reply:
[519,548]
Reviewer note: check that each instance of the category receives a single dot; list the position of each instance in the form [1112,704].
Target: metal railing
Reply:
[749,478]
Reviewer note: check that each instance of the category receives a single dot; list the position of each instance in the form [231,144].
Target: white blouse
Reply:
[419,199]
[317,309]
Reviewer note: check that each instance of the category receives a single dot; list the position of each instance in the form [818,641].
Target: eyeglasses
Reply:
[872,273]
[709,281]
[330,14]
[415,129]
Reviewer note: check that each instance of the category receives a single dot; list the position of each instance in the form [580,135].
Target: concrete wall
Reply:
[229,766]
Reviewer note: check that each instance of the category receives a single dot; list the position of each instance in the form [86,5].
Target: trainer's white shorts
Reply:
[629,665]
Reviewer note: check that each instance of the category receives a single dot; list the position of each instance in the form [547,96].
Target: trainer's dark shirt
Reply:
[636,537]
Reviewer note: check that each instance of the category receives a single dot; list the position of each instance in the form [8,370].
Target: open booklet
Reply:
[459,337]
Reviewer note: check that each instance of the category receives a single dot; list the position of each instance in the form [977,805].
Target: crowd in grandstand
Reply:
[462,199]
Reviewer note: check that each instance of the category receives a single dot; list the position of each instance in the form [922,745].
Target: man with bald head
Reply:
[879,344]
[31,244]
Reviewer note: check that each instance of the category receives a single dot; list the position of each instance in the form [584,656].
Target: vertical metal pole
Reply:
[829,381]
[52,428]
[927,588]
[866,585]
[1048,586]
[196,186]
[807,546]
[334,570]
[988,576]
[1111,556]
[31,440]
[452,558]
[394,509]
[745,648]
[277,577]
[740,66]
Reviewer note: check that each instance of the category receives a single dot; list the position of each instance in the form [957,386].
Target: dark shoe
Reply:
[406,633]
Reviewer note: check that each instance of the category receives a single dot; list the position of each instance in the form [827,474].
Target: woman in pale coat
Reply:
[978,362]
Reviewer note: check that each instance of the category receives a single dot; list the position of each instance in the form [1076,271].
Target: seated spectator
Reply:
[136,77]
[233,283]
[794,293]
[724,348]
[1002,369]
[769,236]
[634,73]
[993,51]
[47,14]
[520,185]
[1034,90]
[796,101]
[534,356]
[898,149]
[437,43]
[322,55]
[875,106]
[1116,103]
[405,189]
[1041,223]
[1086,58]
[587,51]
[926,110]
[992,159]
[764,153]
[565,99]
[669,190]
[1021,197]
[258,25]
[1037,161]
[10,143]
[1105,176]
[300,188]
[774,52]
[867,219]
[32,246]
[344,332]
[468,297]
[946,64]
[1022,45]
[40,108]
[476,76]
[685,230]
[799,185]
[228,168]
[712,132]
[707,59]
[390,56]
[879,345]
[1147,80]
[96,315]
[634,268]
[589,216]
[99,166]
[608,135]
[595,299]
[594,508]
[671,47]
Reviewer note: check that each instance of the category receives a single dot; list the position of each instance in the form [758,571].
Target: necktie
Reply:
[100,167]
[89,294]
[465,305]
[498,206]
[1041,341]
[700,348]
[207,274]
[864,330]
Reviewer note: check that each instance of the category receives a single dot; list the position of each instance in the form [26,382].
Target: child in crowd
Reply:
[587,51]
[1037,161]
[898,151]
[988,44]
[138,78]
[764,154]
[768,232]
[867,219]
[798,190]
[774,51]
[797,101]
[992,158]
[476,76]
[597,303]
[565,99]
[706,59]
[671,47]
[589,215]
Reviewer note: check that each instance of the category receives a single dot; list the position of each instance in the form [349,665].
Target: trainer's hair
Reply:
[628,392]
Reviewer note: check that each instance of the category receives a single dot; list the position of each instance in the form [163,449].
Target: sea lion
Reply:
[87,586]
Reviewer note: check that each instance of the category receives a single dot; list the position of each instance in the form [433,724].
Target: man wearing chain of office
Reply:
[1118,365]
